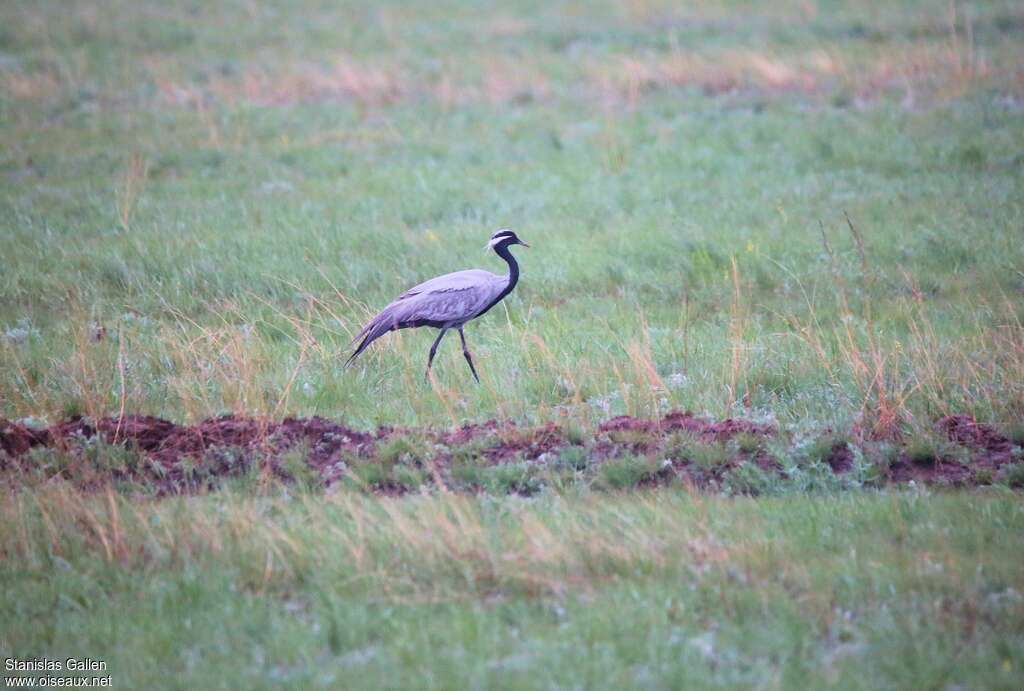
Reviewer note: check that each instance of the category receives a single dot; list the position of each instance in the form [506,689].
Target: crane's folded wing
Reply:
[452,298]
[471,279]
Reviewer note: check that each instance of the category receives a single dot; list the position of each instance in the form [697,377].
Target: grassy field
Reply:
[230,193]
[661,590]
[805,214]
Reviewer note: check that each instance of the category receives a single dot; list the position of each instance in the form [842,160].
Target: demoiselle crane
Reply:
[447,302]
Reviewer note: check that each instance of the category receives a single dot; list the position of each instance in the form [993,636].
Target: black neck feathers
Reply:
[513,267]
[513,274]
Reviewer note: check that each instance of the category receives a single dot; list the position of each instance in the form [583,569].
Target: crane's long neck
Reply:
[513,276]
[513,268]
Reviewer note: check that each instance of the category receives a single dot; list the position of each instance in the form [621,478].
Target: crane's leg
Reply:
[433,351]
[469,358]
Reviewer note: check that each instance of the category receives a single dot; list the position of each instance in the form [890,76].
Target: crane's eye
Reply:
[501,236]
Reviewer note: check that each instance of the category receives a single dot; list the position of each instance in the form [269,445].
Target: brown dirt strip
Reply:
[228,444]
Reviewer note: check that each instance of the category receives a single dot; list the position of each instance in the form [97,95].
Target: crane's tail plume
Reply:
[355,354]
[374,329]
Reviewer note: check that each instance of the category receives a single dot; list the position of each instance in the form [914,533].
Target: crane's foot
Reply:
[469,359]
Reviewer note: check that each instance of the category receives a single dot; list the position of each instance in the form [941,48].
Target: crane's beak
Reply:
[523,243]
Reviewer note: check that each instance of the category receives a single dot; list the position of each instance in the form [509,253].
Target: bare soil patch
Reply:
[172,458]
[990,451]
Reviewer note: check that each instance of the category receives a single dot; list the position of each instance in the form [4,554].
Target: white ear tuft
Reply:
[502,234]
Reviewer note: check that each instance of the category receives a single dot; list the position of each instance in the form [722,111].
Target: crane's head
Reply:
[504,238]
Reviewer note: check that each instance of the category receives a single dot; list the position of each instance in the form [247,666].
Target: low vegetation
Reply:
[865,590]
[150,456]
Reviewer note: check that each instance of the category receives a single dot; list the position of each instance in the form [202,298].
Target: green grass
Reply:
[902,590]
[230,211]
[628,472]
[805,213]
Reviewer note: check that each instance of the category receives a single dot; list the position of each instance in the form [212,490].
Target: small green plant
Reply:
[512,478]
[573,457]
[505,478]
[223,460]
[627,471]
[677,444]
[467,474]
[468,462]
[111,458]
[399,465]
[575,435]
[1015,433]
[710,456]
[189,467]
[294,464]
[922,450]
[559,479]
[629,437]
[472,451]
[748,479]
[369,474]
[707,456]
[747,442]
[820,449]
[47,461]
[984,476]
[407,478]
[408,450]
[1013,476]
[244,472]
[879,458]
[957,453]
[372,475]
[155,468]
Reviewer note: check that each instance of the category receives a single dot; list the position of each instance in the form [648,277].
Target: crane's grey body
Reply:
[447,302]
